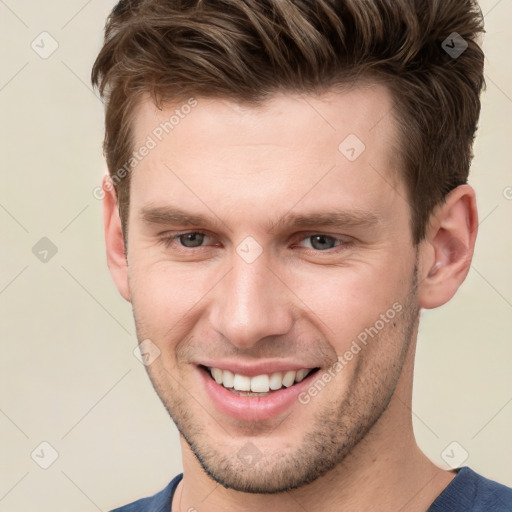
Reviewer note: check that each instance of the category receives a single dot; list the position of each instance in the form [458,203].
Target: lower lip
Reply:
[253,408]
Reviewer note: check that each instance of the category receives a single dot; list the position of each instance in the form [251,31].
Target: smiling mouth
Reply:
[259,385]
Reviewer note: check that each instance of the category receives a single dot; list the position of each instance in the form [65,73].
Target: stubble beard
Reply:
[333,433]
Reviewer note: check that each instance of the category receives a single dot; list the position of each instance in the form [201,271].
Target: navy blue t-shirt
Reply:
[467,492]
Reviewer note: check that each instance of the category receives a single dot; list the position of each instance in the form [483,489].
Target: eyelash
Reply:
[167,240]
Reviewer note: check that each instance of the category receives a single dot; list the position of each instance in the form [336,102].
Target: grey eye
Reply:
[322,242]
[192,239]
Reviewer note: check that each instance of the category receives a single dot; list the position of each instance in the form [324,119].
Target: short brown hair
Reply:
[247,50]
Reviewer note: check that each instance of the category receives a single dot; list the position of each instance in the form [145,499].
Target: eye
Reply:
[191,239]
[188,240]
[321,242]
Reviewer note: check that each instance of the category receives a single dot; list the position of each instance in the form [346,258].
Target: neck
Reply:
[386,468]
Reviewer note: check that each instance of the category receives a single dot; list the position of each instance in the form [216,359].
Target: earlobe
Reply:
[116,257]
[448,247]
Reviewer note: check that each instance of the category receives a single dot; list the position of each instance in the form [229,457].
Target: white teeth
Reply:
[260,383]
[242,383]
[217,375]
[227,379]
[289,378]
[301,374]
[276,381]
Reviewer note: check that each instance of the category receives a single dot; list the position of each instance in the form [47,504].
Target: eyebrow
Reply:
[171,215]
[334,218]
[166,215]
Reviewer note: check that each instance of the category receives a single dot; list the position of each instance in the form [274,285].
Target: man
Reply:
[288,188]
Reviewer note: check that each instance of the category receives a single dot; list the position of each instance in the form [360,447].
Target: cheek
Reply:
[165,299]
[347,302]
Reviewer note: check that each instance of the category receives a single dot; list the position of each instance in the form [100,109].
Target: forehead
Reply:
[366,107]
[287,144]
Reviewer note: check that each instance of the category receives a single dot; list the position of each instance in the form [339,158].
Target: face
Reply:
[270,261]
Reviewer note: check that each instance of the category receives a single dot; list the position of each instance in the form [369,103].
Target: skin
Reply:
[352,446]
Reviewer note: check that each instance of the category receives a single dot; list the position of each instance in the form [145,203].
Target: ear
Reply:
[447,250]
[116,257]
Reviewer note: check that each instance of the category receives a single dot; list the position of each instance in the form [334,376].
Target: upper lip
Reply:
[251,369]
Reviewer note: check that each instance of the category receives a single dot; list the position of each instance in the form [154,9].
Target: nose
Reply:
[251,303]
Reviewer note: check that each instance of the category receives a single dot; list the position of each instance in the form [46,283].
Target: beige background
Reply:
[68,373]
